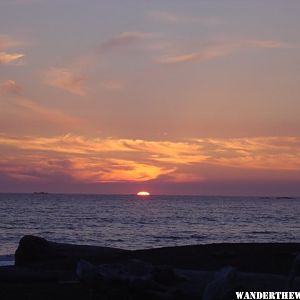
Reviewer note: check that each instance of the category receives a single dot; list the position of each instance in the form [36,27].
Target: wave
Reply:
[7,260]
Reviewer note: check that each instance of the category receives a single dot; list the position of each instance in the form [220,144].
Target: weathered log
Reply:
[34,250]
[12,274]
[248,257]
[178,283]
[184,272]
[274,258]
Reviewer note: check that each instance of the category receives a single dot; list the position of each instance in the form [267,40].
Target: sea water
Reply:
[132,222]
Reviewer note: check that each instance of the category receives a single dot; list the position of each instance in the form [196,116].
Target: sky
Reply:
[172,97]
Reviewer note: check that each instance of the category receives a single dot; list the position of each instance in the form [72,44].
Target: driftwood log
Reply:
[49,270]
[274,258]
[170,283]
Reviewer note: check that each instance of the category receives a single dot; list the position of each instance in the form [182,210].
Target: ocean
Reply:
[133,222]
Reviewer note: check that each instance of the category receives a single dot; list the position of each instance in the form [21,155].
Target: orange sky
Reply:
[190,97]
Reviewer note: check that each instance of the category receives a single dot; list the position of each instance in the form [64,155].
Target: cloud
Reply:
[175,19]
[113,160]
[126,39]
[49,115]
[270,153]
[70,78]
[103,160]
[36,118]
[6,42]
[271,44]
[115,170]
[67,80]
[24,107]
[10,87]
[6,58]
[221,50]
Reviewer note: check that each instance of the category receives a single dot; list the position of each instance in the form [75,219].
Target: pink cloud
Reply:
[23,108]
[67,80]
[127,38]
[175,19]
[7,58]
[114,160]
[221,50]
[10,87]
[6,42]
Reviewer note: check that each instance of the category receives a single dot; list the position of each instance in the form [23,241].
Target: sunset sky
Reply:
[174,97]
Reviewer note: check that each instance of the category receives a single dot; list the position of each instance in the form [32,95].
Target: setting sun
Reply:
[143,193]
